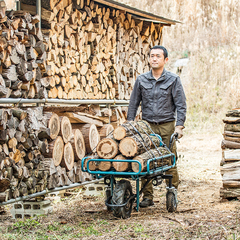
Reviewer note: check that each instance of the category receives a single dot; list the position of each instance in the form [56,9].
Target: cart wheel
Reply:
[171,202]
[121,192]
[108,194]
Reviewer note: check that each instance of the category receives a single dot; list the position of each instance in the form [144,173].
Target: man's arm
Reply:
[180,102]
[135,100]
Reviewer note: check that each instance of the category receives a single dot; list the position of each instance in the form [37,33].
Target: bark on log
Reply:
[229,144]
[232,127]
[229,192]
[105,130]
[121,166]
[143,158]
[231,155]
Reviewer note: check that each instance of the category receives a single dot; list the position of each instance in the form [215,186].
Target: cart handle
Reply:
[174,137]
[161,157]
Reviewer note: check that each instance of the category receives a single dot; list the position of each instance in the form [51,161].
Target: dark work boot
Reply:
[146,203]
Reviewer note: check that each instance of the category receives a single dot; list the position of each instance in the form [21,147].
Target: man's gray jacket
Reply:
[161,99]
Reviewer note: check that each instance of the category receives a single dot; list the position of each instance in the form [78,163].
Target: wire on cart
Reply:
[137,139]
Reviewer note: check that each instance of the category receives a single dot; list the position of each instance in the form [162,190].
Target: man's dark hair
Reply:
[165,52]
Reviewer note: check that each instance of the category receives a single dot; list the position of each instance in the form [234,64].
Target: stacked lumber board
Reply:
[42,150]
[93,51]
[130,140]
[230,164]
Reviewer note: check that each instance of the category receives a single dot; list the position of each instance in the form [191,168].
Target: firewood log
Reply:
[107,148]
[143,158]
[68,157]
[120,166]
[56,148]
[78,144]
[66,129]
[90,135]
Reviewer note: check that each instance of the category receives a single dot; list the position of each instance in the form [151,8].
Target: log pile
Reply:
[230,164]
[125,143]
[92,51]
[23,55]
[43,150]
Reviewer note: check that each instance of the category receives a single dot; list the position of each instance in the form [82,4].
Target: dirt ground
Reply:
[201,213]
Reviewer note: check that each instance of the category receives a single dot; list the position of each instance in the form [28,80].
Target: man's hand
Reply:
[179,130]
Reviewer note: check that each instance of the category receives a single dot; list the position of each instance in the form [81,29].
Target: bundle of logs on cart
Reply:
[125,143]
[84,51]
[230,164]
[42,150]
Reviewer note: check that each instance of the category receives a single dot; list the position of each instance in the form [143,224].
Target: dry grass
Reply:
[209,36]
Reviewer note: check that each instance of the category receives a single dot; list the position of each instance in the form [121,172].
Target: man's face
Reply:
[156,59]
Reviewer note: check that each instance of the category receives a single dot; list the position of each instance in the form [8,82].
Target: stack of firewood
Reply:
[22,57]
[230,164]
[43,150]
[93,52]
[129,141]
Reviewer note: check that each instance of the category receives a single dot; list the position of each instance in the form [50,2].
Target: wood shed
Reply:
[81,49]
[84,54]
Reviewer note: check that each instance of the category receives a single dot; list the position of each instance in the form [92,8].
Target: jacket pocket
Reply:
[146,90]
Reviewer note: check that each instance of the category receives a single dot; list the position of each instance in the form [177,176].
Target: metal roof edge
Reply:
[136,11]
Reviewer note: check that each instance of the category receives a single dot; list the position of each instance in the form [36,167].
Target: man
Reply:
[162,98]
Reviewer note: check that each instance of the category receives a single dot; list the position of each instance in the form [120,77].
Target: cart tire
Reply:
[171,202]
[108,194]
[121,192]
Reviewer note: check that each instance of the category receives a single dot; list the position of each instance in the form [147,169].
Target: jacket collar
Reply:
[150,76]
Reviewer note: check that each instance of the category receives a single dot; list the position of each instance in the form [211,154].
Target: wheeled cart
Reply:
[120,196]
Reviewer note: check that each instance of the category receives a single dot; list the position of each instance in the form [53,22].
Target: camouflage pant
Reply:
[165,130]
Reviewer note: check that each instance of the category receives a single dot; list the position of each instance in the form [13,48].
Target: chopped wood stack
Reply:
[22,57]
[93,51]
[230,164]
[40,150]
[126,143]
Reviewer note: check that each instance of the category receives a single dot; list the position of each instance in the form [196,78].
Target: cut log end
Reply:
[66,129]
[119,133]
[107,148]
[68,157]
[79,145]
[128,147]
[58,151]
[54,125]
